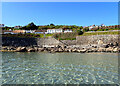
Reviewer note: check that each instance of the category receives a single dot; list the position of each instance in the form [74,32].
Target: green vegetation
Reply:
[66,36]
[100,33]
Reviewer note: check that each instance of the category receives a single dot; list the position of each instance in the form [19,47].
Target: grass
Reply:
[68,39]
[100,33]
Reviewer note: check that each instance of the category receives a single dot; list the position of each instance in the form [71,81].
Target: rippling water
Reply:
[59,68]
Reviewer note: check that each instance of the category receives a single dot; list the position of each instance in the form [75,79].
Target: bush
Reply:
[79,32]
[65,36]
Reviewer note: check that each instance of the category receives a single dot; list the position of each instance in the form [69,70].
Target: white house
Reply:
[29,31]
[66,31]
[40,32]
[50,31]
[1,25]
[102,25]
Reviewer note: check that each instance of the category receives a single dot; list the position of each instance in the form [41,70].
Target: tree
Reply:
[31,26]
[79,32]
[52,24]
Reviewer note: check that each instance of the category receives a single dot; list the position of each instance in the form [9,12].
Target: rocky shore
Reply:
[111,47]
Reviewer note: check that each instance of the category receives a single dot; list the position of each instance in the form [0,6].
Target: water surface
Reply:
[59,68]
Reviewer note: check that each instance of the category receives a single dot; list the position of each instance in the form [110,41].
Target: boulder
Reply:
[110,49]
[115,50]
[31,50]
[40,49]
[115,44]
[21,49]
[83,51]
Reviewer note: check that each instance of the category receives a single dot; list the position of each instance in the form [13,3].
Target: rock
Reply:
[82,51]
[115,44]
[60,49]
[31,50]
[111,45]
[101,49]
[74,50]
[115,49]
[21,49]
[40,49]
[104,46]
[110,49]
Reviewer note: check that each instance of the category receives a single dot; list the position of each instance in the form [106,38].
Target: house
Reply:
[17,27]
[29,31]
[103,25]
[50,31]
[1,25]
[7,32]
[40,32]
[19,31]
[90,27]
[67,30]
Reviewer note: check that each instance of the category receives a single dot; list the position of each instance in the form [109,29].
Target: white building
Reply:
[102,25]
[1,25]
[90,27]
[50,31]
[66,31]
[40,32]
[29,31]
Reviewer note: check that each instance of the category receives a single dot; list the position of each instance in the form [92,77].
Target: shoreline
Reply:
[62,49]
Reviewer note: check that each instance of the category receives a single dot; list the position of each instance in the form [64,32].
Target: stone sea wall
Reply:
[82,44]
[12,41]
[97,39]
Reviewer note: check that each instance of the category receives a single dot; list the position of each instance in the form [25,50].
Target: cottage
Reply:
[19,31]
[29,31]
[40,32]
[67,30]
[50,31]
[7,32]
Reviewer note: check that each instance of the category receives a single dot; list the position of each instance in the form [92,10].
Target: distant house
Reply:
[103,25]
[92,26]
[29,31]
[40,32]
[67,30]
[17,27]
[50,31]
[19,31]
[2,25]
[7,32]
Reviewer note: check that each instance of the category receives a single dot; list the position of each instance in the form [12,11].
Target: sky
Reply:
[60,13]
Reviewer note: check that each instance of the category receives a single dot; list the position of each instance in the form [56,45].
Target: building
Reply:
[67,31]
[40,32]
[50,31]
[2,25]
[103,25]
[7,32]
[29,31]
[17,27]
[92,26]
[19,31]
